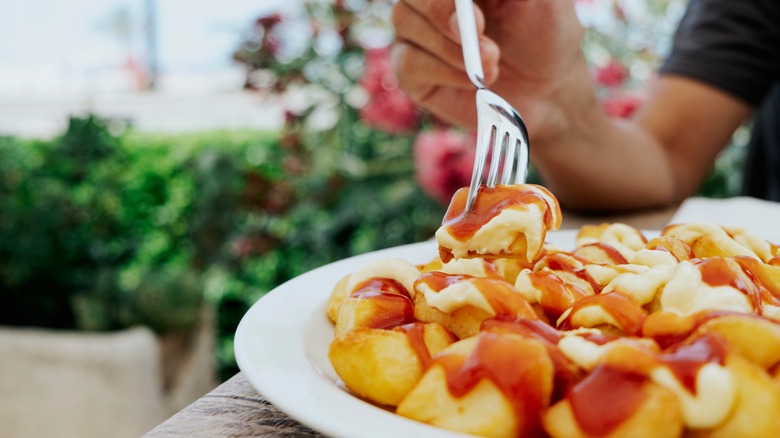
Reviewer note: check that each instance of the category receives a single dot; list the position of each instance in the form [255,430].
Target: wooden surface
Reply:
[235,409]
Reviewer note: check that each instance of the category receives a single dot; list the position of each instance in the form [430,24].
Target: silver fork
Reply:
[502,137]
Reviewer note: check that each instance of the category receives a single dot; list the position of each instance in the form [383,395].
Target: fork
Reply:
[502,138]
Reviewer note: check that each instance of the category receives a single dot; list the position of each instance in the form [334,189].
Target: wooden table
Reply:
[235,409]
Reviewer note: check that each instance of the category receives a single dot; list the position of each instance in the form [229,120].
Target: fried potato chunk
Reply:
[508,221]
[657,416]
[753,338]
[493,385]
[382,366]
[609,243]
[461,302]
[373,310]
[758,401]
[377,296]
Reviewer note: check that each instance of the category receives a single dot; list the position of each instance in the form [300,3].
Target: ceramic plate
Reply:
[282,342]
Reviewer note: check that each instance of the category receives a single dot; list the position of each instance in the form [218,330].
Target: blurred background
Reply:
[165,163]
[59,58]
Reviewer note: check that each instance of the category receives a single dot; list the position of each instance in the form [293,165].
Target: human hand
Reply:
[530,54]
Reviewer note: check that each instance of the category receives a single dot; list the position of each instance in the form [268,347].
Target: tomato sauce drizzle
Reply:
[500,295]
[606,398]
[612,392]
[668,328]
[394,305]
[438,281]
[566,374]
[614,256]
[716,271]
[557,295]
[569,263]
[490,202]
[515,365]
[381,284]
[626,312]
[685,360]
[769,290]
[415,332]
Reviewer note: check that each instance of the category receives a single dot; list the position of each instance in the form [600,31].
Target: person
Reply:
[723,66]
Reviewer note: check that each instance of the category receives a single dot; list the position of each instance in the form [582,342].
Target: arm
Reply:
[531,56]
[658,157]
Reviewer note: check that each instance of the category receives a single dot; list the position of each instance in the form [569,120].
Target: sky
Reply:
[53,43]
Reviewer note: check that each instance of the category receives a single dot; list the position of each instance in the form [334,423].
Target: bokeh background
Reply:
[159,157]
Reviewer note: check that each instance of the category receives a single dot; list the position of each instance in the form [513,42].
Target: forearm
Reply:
[594,162]
[602,164]
[660,156]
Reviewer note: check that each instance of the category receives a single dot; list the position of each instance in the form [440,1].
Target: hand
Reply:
[530,53]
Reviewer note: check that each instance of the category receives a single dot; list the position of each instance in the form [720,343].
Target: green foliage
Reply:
[103,231]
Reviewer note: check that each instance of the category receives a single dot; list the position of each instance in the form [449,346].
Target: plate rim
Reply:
[268,375]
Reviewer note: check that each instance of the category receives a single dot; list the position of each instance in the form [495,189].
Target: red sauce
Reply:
[391,309]
[525,327]
[657,244]
[490,268]
[556,294]
[382,284]
[615,390]
[769,289]
[605,399]
[598,338]
[415,332]
[439,281]
[500,295]
[504,299]
[490,202]
[614,256]
[668,329]
[569,263]
[685,360]
[566,374]
[717,271]
[517,366]
[625,311]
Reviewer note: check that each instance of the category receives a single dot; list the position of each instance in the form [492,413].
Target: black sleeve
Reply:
[733,45]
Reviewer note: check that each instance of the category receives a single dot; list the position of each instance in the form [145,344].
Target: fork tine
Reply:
[499,146]
[480,155]
[521,172]
[510,158]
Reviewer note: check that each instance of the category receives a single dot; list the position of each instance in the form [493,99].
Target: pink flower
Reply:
[444,159]
[612,74]
[269,21]
[621,106]
[388,109]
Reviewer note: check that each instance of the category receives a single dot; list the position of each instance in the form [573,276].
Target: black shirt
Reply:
[734,45]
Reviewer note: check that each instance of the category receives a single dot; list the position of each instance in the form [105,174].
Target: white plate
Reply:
[282,342]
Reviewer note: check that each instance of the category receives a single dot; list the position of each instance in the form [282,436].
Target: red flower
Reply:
[388,109]
[444,159]
[612,74]
[269,20]
[621,106]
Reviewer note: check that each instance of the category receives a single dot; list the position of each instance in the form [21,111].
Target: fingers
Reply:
[420,70]
[431,26]
[415,29]
[434,85]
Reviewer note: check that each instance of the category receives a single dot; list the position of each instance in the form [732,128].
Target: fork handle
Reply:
[467,24]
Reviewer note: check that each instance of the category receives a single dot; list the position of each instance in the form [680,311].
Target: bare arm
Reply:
[590,161]
[658,157]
